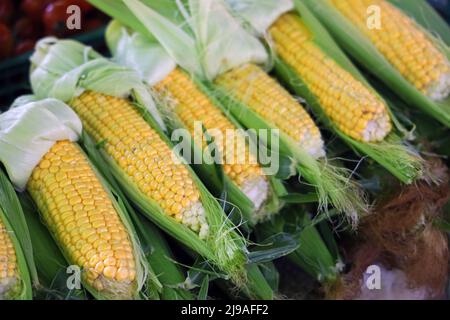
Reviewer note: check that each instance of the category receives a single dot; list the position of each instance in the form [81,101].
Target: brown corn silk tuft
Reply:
[407,47]
[351,105]
[9,269]
[81,216]
[400,235]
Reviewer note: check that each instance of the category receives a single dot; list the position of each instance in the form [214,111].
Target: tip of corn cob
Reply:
[377,128]
[257,190]
[9,287]
[115,290]
[194,218]
[441,89]
[313,145]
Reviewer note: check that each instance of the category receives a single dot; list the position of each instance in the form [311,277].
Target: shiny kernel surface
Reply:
[192,105]
[80,218]
[350,104]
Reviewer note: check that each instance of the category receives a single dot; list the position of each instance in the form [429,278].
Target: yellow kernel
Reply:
[44,164]
[110,272]
[122,274]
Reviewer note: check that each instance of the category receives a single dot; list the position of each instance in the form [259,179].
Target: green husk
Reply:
[312,254]
[161,259]
[401,160]
[362,50]
[271,275]
[258,288]
[261,273]
[11,215]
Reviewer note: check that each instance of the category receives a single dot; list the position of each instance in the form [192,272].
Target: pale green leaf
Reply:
[208,49]
[29,131]
[180,45]
[63,69]
[140,53]
[261,13]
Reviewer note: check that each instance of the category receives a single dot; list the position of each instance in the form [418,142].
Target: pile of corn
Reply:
[94,210]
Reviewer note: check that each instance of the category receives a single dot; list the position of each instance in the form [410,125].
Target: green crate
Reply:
[14,72]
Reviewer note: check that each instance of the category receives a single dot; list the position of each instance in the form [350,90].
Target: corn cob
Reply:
[404,45]
[9,271]
[261,93]
[191,105]
[79,213]
[352,106]
[144,157]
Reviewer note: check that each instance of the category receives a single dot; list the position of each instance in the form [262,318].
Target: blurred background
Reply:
[23,22]
[443,6]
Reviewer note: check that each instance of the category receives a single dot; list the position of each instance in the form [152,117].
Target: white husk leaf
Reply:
[261,14]
[28,132]
[64,69]
[140,53]
[210,49]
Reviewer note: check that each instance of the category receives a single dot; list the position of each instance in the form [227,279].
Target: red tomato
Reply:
[34,8]
[6,10]
[24,46]
[6,41]
[84,5]
[92,24]
[55,18]
[25,28]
